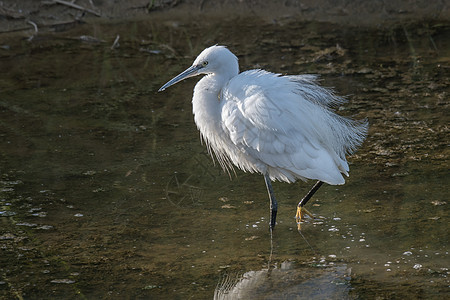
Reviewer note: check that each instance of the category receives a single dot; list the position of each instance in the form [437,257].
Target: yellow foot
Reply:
[299,216]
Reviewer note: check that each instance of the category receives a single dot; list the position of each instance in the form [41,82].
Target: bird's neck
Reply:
[206,104]
[215,82]
[208,89]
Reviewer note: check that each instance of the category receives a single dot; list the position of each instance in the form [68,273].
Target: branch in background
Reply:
[116,43]
[76,6]
[34,25]
[35,30]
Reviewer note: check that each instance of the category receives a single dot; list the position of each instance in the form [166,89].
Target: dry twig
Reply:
[76,6]
[116,43]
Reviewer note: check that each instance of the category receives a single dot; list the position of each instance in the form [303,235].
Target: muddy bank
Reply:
[58,15]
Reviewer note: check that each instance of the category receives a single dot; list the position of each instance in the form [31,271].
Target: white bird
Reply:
[280,126]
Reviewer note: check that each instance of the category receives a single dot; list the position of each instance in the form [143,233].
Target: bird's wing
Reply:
[268,117]
[311,91]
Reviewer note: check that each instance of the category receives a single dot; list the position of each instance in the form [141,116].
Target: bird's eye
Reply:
[205,63]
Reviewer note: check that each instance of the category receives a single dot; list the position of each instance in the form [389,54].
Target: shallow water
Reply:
[107,192]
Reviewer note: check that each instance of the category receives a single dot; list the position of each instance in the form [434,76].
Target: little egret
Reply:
[280,126]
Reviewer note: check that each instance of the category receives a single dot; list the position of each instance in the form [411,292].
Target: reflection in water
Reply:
[287,282]
[106,192]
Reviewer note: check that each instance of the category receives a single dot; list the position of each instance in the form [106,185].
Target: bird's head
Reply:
[216,60]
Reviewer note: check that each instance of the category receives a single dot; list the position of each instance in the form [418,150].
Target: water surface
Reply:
[107,192]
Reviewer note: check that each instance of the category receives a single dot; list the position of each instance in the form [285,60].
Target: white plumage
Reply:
[280,126]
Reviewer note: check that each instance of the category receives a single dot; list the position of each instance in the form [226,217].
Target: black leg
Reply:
[310,193]
[273,202]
